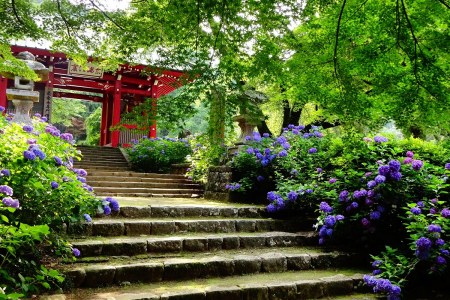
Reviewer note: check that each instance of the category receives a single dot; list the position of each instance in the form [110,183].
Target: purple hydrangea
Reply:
[309,191]
[106,209]
[6,190]
[445,213]
[371,184]
[354,205]
[114,203]
[76,252]
[10,202]
[248,138]
[325,207]
[445,252]
[260,178]
[365,222]
[423,243]
[250,150]
[417,164]
[394,165]
[292,196]
[5,172]
[40,154]
[81,172]
[343,195]
[323,231]
[416,211]
[376,264]
[332,180]
[380,179]
[440,260]
[330,221]
[383,170]
[375,215]
[66,136]
[368,201]
[407,161]
[28,128]
[87,218]
[339,217]
[319,170]
[396,175]
[282,153]
[447,166]
[380,139]
[312,150]
[58,160]
[439,242]
[271,196]
[434,228]
[410,154]
[376,272]
[271,208]
[286,146]
[54,185]
[29,155]
[422,254]
[266,135]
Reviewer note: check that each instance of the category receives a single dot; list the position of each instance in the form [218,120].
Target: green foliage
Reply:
[157,155]
[64,109]
[93,126]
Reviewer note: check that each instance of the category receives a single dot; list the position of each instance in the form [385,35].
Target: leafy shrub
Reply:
[157,155]
[41,191]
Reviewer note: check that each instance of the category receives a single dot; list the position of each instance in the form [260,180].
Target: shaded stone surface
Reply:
[99,275]
[167,245]
[229,212]
[214,243]
[89,248]
[338,284]
[273,263]
[246,225]
[193,211]
[321,260]
[217,266]
[111,228]
[146,272]
[134,228]
[182,269]
[280,239]
[310,289]
[80,229]
[254,292]
[163,227]
[252,241]
[135,212]
[184,295]
[230,242]
[225,226]
[211,211]
[202,226]
[249,212]
[263,225]
[125,247]
[223,293]
[159,211]
[77,276]
[141,296]
[282,291]
[195,244]
[181,226]
[245,264]
[298,261]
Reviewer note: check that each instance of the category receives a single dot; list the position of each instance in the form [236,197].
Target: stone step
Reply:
[105,159]
[147,195]
[100,163]
[193,211]
[120,227]
[107,168]
[153,191]
[145,185]
[136,179]
[95,172]
[292,285]
[191,243]
[179,269]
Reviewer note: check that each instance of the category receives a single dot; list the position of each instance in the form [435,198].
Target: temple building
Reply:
[118,92]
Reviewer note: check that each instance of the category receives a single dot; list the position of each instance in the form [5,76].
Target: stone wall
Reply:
[179,168]
[218,178]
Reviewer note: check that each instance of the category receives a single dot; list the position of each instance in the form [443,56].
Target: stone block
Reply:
[203,226]
[141,296]
[214,243]
[77,276]
[124,247]
[134,228]
[80,229]
[311,289]
[193,211]
[278,239]
[298,261]
[246,225]
[146,272]
[108,228]
[252,241]
[321,260]
[192,294]
[176,211]
[359,285]
[165,245]
[159,211]
[249,212]
[229,212]
[230,242]
[181,226]
[195,244]
[181,269]
[89,248]
[338,285]
[211,211]
[163,227]
[282,291]
[263,225]
[225,226]
[217,266]
[223,293]
[273,263]
[254,292]
[136,212]
[245,264]
[99,275]
[340,259]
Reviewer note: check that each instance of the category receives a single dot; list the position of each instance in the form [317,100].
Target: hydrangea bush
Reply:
[40,191]
[158,154]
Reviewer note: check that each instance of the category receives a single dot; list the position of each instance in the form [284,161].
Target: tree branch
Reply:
[64,19]
[445,4]
[356,11]
[218,33]
[337,37]
[13,2]
[105,14]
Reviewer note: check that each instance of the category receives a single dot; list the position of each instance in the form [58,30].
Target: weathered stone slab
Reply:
[252,241]
[185,295]
[263,225]
[358,284]
[311,289]
[230,242]
[246,225]
[159,211]
[202,226]
[340,259]
[211,211]
[77,276]
[80,229]
[136,212]
[124,247]
[193,211]
[108,228]
[273,263]
[163,227]
[182,269]
[195,244]
[217,267]
[146,272]
[99,275]
[282,291]
[225,226]
[280,239]
[214,242]
[165,245]
[298,261]
[142,296]
[254,292]
[134,228]
[181,226]
[223,293]
[176,211]
[321,260]
[89,248]
[338,284]
[229,212]
[249,212]
[245,264]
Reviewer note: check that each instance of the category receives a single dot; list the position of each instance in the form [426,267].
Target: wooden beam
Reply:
[76,88]
[138,92]
[75,82]
[77,96]
[107,77]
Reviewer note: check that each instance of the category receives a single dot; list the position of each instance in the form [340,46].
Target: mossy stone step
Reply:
[149,185]
[207,267]
[134,174]
[137,179]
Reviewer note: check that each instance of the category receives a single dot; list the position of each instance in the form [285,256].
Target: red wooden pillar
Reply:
[3,85]
[116,109]
[104,125]
[109,119]
[154,95]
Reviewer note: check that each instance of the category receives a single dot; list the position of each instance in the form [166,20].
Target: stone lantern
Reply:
[22,95]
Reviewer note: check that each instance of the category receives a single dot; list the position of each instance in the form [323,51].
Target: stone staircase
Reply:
[205,252]
[110,175]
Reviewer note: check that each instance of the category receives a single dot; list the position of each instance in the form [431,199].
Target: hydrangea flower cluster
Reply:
[233,187]
[383,285]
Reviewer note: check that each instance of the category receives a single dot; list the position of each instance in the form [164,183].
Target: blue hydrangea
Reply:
[380,139]
[271,196]
[325,207]
[447,166]
[258,155]
[309,191]
[376,264]
[376,272]
[5,172]
[323,231]
[58,160]
[340,218]
[375,215]
[343,195]
[271,208]
[28,128]
[439,242]
[280,204]
[29,155]
[87,218]
[6,190]
[250,150]
[445,252]
[445,213]
[76,252]
[312,150]
[417,165]
[380,179]
[286,146]
[54,184]
[106,209]
[394,165]
[354,205]
[281,140]
[423,243]
[420,204]
[396,175]
[282,153]
[329,232]
[319,170]
[264,162]
[422,254]
[371,184]
[266,135]
[292,196]
[434,228]
[330,221]
[416,210]
[383,170]
[260,178]
[332,180]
